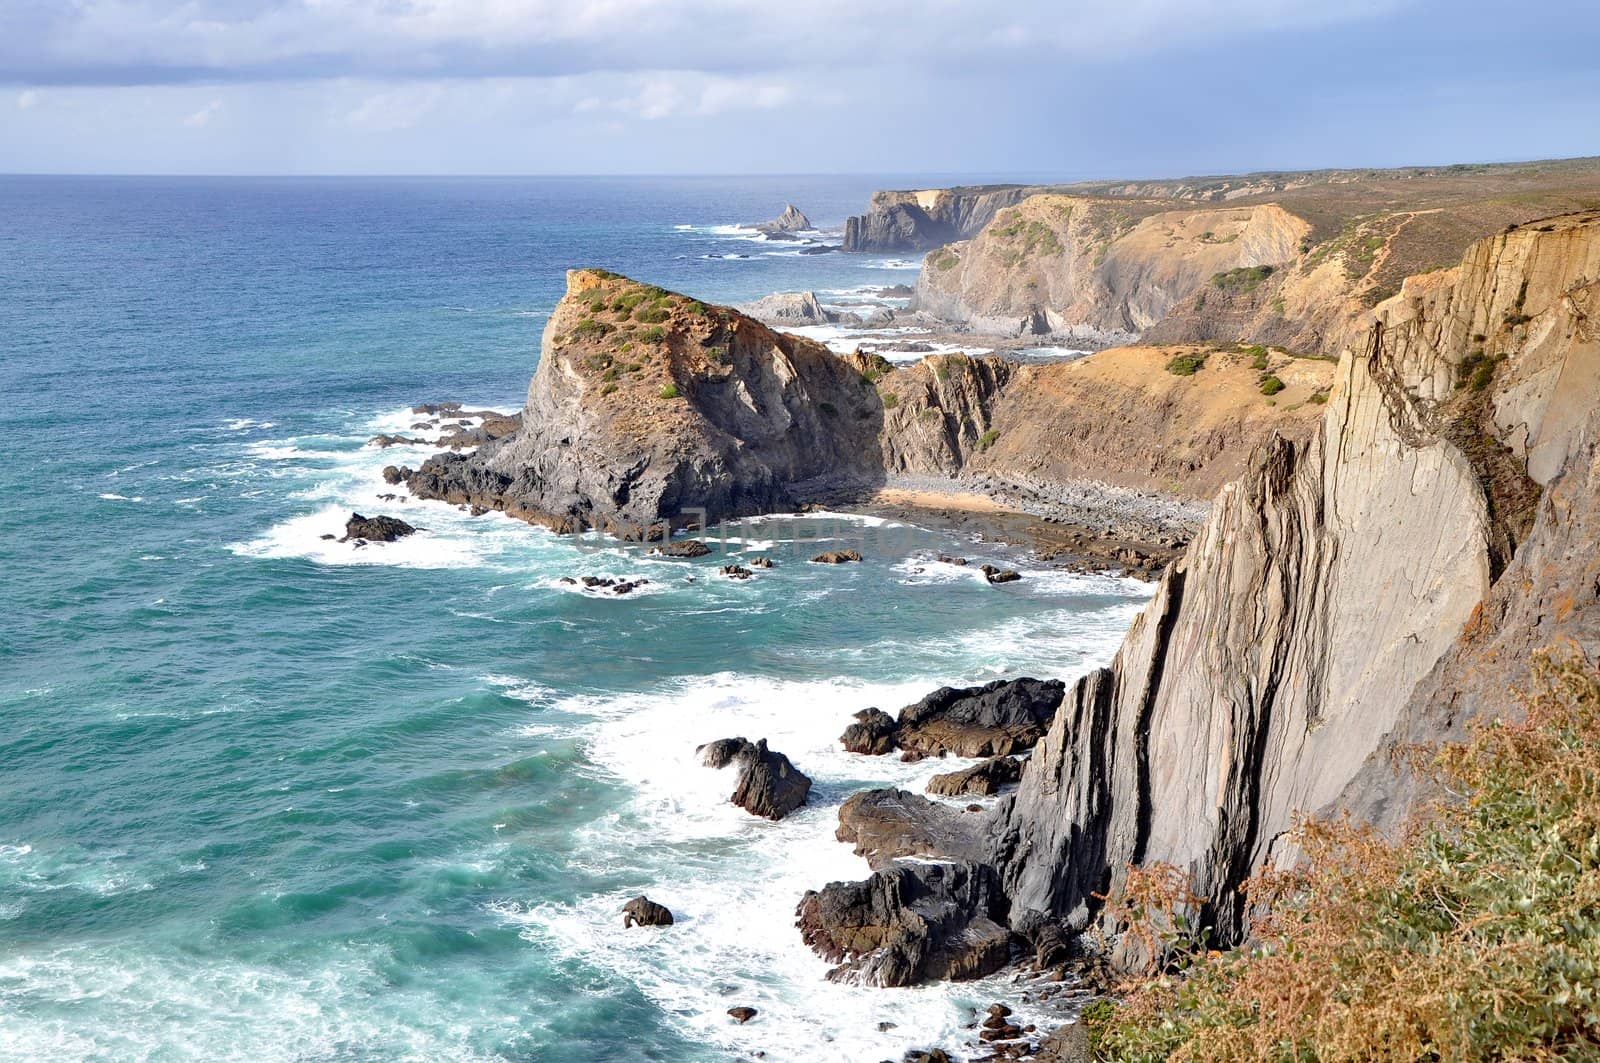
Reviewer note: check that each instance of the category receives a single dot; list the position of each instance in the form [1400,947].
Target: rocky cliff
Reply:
[1181,421]
[1296,260]
[1101,270]
[648,408]
[1367,587]
[918,220]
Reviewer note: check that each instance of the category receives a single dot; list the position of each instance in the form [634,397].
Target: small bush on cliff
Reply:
[1243,279]
[652,315]
[589,327]
[1476,937]
[890,399]
[653,334]
[1271,385]
[671,392]
[1186,364]
[986,440]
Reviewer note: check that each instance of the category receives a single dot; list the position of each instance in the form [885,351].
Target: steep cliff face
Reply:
[1118,417]
[918,220]
[1335,598]
[1100,269]
[648,406]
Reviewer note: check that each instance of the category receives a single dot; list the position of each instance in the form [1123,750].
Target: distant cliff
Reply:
[1100,270]
[1379,583]
[916,221]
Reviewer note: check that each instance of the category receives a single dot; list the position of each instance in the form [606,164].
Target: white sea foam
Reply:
[113,497]
[731,880]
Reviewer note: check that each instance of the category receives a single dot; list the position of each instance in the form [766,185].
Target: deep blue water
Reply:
[265,796]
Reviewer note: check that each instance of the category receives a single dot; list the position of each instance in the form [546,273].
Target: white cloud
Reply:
[27,99]
[392,109]
[204,115]
[682,94]
[150,41]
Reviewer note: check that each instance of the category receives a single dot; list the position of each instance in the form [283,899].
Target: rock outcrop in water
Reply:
[378,529]
[790,221]
[910,923]
[1372,586]
[768,786]
[651,410]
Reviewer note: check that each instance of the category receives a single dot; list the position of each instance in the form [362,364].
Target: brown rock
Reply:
[984,779]
[742,1014]
[836,557]
[769,785]
[642,911]
[871,734]
[682,548]
[376,529]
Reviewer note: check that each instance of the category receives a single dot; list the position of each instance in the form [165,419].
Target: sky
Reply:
[1024,88]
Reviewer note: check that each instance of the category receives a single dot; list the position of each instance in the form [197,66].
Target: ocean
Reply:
[266,796]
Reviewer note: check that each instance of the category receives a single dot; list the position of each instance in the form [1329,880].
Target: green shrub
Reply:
[1186,364]
[986,440]
[1474,937]
[671,392]
[589,327]
[695,307]
[653,334]
[651,315]
[1200,301]
[944,260]
[890,399]
[610,373]
[1318,397]
[1242,279]
[1258,362]
[608,389]
[1271,385]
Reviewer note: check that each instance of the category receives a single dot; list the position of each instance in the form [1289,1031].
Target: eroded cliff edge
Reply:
[1373,585]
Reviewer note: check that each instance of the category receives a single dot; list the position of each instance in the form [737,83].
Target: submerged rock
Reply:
[642,911]
[769,785]
[909,924]
[742,1014]
[1000,575]
[376,529]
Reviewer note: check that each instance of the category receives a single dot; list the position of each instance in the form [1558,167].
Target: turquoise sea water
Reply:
[267,797]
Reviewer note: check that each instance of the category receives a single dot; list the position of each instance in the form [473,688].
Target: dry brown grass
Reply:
[1476,937]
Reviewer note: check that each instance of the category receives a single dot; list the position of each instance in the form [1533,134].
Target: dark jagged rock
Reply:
[682,548]
[761,562]
[909,924]
[1000,575]
[790,221]
[385,440]
[983,779]
[642,911]
[1003,717]
[769,785]
[735,572]
[391,474]
[836,557]
[376,529]
[742,1014]
[948,560]
[873,733]
[889,824]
